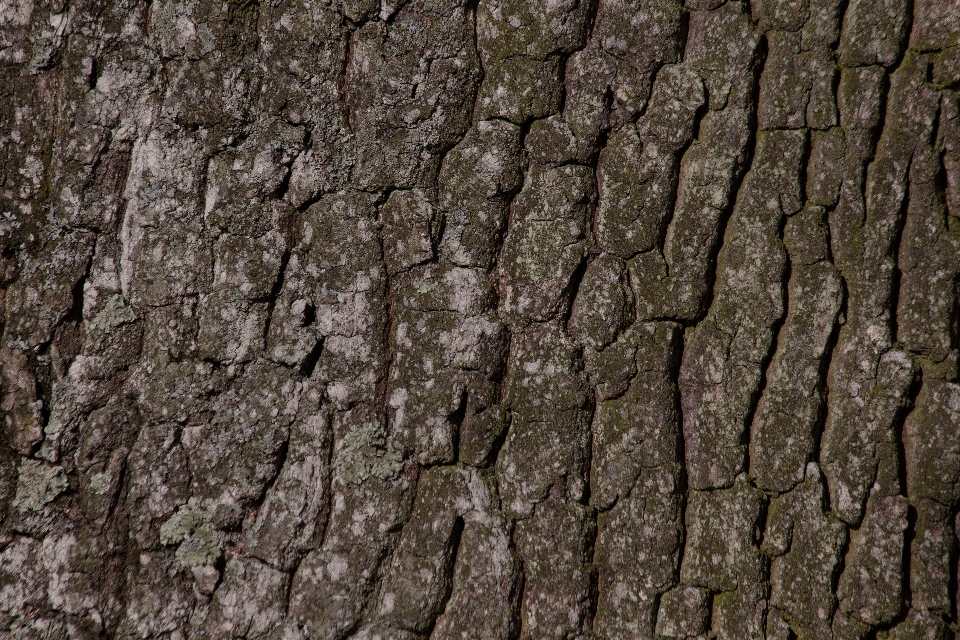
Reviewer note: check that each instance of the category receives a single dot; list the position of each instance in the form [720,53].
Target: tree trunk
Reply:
[501,319]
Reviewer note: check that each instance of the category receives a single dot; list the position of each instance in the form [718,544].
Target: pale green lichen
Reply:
[422,286]
[38,484]
[113,314]
[236,568]
[100,482]
[190,527]
[367,452]
[59,410]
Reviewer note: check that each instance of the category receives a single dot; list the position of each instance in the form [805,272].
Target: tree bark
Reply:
[507,319]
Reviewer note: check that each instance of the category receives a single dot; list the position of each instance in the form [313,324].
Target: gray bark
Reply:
[501,319]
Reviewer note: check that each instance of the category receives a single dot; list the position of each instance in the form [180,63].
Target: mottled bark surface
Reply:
[495,319]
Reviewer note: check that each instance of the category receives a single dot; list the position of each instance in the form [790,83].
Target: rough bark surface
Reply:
[496,319]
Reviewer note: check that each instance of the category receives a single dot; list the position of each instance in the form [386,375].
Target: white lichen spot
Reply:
[337,567]
[389,602]
[844,501]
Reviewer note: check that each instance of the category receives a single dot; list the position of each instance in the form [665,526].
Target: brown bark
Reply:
[498,319]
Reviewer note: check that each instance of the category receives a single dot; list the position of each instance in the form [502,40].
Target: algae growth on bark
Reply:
[493,319]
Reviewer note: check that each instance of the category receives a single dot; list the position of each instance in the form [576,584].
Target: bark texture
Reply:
[495,319]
